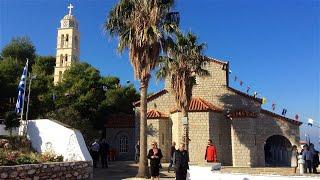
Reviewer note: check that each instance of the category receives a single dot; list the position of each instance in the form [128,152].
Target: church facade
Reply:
[245,134]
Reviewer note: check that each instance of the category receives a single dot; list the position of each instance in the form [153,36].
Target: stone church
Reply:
[245,134]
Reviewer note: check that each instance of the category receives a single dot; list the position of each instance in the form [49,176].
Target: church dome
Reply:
[69,21]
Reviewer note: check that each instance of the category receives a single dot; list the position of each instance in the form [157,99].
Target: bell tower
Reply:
[68,45]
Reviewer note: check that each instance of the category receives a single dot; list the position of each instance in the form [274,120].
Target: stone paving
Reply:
[127,170]
[119,170]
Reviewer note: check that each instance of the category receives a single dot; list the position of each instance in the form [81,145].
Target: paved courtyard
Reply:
[119,170]
[125,170]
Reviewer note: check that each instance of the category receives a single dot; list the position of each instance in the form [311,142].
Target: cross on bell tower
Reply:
[70,8]
[68,45]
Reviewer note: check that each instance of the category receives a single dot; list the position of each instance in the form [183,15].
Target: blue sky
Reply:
[273,46]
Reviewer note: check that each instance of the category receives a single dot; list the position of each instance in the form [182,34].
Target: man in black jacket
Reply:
[181,162]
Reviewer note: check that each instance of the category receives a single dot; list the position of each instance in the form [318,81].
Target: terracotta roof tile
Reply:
[292,121]
[242,113]
[120,121]
[200,105]
[154,114]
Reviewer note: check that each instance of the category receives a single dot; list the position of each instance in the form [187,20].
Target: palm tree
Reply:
[141,27]
[184,61]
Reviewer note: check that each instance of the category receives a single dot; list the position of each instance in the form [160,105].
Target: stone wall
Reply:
[220,134]
[198,134]
[158,131]
[249,136]
[113,136]
[60,170]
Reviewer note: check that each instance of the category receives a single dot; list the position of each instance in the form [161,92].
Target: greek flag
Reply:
[21,88]
[310,122]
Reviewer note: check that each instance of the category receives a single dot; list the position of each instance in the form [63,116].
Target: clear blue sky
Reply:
[272,45]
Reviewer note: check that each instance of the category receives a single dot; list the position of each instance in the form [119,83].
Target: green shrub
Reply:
[26,160]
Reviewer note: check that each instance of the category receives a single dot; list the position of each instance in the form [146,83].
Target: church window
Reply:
[162,138]
[61,59]
[123,144]
[62,40]
[76,42]
[66,58]
[67,37]
[60,76]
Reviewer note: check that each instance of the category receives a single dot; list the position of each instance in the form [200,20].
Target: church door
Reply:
[277,151]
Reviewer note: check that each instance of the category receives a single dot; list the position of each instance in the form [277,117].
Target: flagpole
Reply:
[24,90]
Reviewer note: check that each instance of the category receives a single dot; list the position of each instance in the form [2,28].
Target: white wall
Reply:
[205,173]
[49,135]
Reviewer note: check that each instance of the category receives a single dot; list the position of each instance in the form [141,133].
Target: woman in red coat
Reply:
[211,152]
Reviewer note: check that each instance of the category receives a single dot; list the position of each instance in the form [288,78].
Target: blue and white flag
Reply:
[310,122]
[21,88]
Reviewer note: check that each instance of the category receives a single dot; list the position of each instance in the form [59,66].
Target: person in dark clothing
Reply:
[104,151]
[155,156]
[172,150]
[181,162]
[137,152]
[315,159]
[95,147]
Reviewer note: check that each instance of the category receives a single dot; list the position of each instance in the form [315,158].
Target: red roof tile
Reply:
[292,121]
[200,105]
[242,113]
[154,114]
[120,121]
[152,97]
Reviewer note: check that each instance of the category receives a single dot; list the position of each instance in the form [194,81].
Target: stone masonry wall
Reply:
[48,171]
[158,131]
[249,136]
[113,136]
[198,134]
[220,134]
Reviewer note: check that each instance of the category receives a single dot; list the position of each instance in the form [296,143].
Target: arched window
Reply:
[65,59]
[60,76]
[61,60]
[67,39]
[62,40]
[76,42]
[123,144]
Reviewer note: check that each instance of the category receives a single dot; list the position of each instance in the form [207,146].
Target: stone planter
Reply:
[58,170]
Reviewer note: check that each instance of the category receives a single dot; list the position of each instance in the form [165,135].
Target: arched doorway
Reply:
[277,151]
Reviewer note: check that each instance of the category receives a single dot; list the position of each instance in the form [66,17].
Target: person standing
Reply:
[315,159]
[104,151]
[211,152]
[294,158]
[155,156]
[308,157]
[137,152]
[181,162]
[172,150]
[95,147]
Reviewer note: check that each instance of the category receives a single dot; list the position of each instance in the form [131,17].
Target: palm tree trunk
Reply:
[185,135]
[143,171]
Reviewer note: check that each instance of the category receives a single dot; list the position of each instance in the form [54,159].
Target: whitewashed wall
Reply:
[49,135]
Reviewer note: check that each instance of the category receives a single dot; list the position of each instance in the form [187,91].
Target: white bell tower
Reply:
[68,45]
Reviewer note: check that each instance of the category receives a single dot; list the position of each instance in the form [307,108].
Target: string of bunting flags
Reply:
[248,88]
